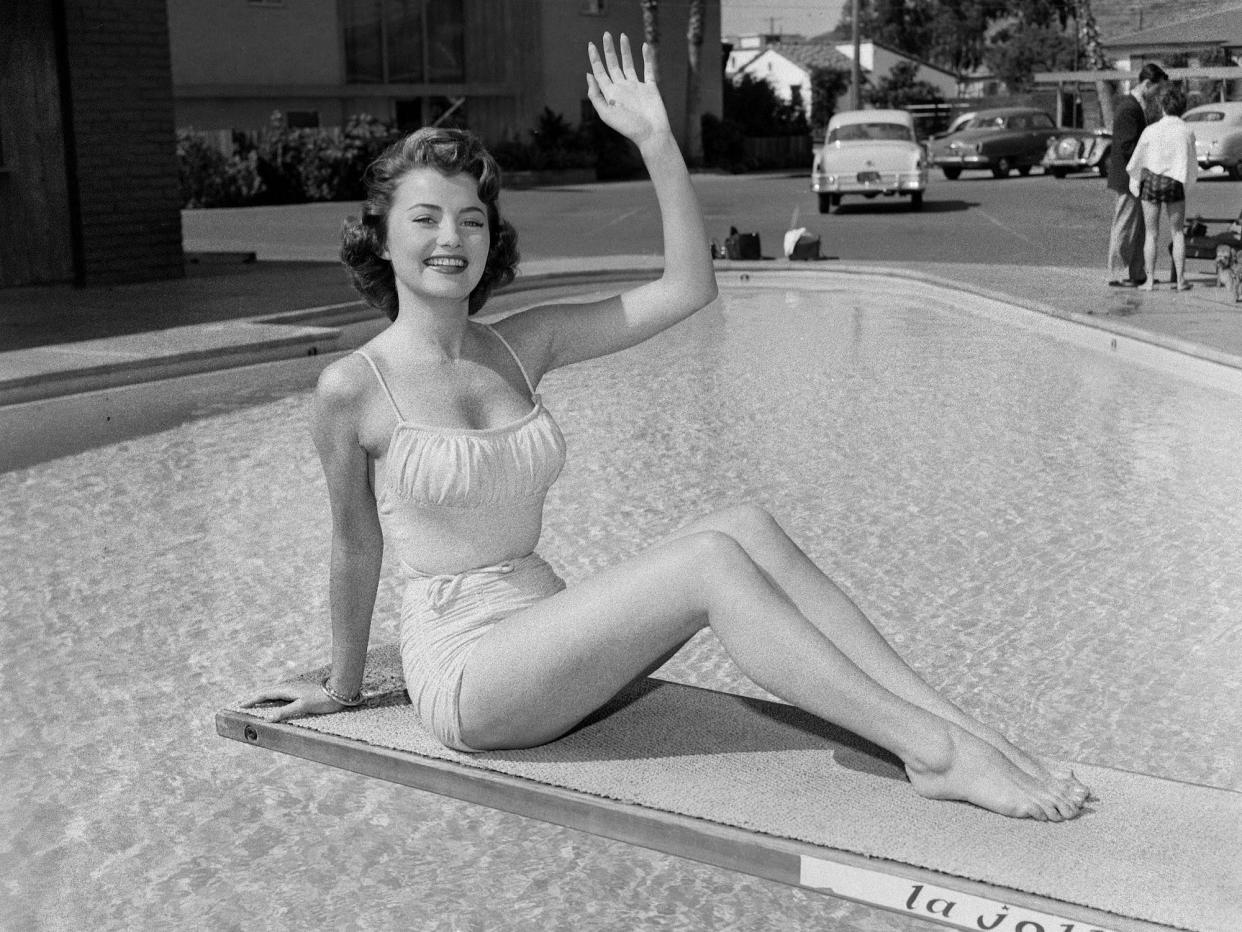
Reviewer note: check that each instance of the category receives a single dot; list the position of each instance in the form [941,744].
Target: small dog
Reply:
[1228,274]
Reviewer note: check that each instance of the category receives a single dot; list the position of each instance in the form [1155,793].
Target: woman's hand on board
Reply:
[626,101]
[300,697]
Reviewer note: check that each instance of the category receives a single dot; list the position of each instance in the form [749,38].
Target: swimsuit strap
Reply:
[384,385]
[521,368]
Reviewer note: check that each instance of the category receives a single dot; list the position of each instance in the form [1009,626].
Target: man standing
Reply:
[1125,241]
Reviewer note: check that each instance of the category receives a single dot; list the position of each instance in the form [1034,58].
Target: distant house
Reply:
[495,65]
[1202,39]
[788,65]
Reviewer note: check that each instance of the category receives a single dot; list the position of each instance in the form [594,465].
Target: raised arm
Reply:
[357,548]
[630,103]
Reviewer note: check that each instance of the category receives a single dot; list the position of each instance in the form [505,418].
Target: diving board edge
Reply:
[943,899]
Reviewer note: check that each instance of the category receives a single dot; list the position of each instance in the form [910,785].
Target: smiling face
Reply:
[437,236]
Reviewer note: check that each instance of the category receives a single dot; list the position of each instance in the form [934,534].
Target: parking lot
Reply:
[1037,220]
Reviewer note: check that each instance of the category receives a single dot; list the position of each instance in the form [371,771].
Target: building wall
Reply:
[124,144]
[567,30]
[90,188]
[783,75]
[234,42]
[35,222]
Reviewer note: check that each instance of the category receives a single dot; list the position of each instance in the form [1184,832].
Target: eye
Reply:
[474,223]
[424,218]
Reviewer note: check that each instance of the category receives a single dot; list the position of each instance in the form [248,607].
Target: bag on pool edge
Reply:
[741,245]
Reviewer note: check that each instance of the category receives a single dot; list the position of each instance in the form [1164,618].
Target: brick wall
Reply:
[121,141]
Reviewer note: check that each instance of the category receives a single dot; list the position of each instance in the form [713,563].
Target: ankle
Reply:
[933,752]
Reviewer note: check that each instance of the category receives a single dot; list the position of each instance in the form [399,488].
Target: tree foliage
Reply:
[902,88]
[754,105]
[952,34]
[1017,53]
[827,86]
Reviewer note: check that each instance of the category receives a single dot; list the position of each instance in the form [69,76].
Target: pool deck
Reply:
[231,310]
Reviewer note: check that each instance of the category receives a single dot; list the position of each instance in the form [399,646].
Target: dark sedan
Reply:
[1000,141]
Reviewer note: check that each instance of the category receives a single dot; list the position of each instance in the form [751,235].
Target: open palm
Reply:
[625,101]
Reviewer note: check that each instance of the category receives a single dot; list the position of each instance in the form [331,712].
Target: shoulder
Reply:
[343,385]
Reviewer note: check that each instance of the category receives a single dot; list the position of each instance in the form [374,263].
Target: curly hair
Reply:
[363,239]
[1173,100]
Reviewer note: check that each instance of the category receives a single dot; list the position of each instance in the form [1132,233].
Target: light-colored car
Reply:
[869,153]
[1078,150]
[1218,135]
[999,140]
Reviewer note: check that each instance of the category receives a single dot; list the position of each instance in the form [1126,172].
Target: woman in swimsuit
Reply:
[432,437]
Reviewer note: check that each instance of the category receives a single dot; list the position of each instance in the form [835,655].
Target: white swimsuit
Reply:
[469,498]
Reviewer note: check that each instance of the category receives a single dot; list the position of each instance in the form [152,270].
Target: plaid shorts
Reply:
[1160,189]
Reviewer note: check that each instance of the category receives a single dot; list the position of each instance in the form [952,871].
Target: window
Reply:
[592,7]
[1205,116]
[404,41]
[268,3]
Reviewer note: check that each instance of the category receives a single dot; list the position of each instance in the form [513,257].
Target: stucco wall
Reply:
[566,32]
[233,42]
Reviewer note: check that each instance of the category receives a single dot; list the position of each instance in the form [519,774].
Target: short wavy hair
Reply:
[1173,100]
[451,151]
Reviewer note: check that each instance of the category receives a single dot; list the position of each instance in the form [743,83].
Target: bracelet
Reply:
[337,697]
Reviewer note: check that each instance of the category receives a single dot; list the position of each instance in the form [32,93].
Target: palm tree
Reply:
[694,45]
[651,27]
[1085,23]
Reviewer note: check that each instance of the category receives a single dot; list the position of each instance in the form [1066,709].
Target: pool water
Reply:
[1048,533]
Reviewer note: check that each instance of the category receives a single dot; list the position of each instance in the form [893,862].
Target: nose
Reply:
[449,234]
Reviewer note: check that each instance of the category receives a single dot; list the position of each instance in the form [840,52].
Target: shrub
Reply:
[209,178]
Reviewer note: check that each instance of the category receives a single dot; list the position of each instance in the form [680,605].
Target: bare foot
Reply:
[1032,765]
[961,766]
[1147,285]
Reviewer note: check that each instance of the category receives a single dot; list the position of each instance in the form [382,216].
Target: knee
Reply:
[748,522]
[716,560]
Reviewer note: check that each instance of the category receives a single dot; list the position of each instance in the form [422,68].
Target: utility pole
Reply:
[856,70]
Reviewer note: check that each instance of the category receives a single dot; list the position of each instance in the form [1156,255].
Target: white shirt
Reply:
[1167,147]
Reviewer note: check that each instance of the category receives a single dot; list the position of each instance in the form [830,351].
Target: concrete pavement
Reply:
[232,310]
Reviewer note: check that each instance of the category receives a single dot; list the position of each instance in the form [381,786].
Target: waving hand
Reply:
[628,103]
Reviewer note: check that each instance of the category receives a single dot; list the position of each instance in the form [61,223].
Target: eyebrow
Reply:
[438,207]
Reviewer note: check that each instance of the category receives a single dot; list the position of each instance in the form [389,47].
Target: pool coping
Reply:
[47,372]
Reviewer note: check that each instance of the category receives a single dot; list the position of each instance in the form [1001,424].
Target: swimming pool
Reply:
[1048,533]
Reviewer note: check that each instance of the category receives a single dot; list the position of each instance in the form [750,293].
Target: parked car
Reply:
[1218,135]
[958,124]
[997,140]
[1078,150]
[870,152]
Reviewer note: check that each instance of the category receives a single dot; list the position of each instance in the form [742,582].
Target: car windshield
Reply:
[991,122]
[1205,116]
[853,132]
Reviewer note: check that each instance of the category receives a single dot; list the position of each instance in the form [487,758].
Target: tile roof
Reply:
[1224,27]
[812,55]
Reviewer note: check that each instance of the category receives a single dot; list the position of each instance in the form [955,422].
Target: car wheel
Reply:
[1236,171]
[916,200]
[1024,170]
[952,173]
[1002,168]
[1102,168]
[825,203]
[1059,173]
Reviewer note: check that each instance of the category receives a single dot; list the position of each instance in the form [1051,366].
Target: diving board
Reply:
[764,789]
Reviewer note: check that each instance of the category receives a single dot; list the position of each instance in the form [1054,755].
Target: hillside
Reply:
[1117,18]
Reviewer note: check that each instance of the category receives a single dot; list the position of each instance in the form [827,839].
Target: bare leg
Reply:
[823,603]
[1177,222]
[534,677]
[1151,221]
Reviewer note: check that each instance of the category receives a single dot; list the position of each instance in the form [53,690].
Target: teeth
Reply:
[448,262]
